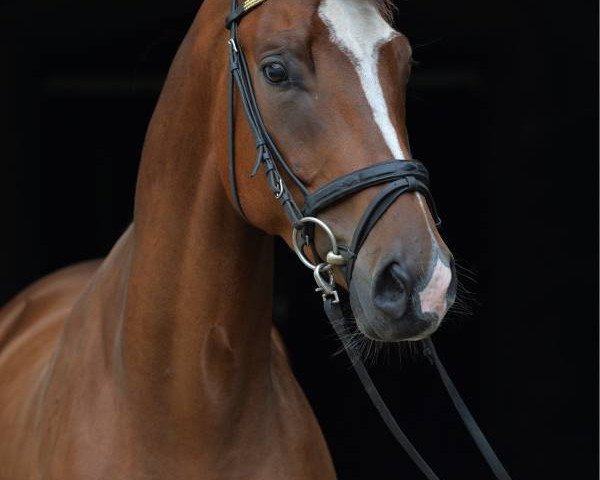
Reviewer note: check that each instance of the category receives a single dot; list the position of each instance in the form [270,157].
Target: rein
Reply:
[398,176]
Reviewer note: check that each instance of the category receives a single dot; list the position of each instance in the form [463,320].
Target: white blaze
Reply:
[359,30]
[433,296]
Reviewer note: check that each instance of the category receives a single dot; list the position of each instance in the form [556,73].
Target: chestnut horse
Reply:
[161,361]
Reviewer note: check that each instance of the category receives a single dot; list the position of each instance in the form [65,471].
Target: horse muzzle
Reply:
[394,304]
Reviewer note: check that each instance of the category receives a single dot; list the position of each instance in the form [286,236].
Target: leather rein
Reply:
[397,176]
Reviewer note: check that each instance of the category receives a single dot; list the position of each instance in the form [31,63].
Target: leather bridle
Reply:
[397,176]
[400,176]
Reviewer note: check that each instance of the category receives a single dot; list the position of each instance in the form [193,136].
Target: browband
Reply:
[241,10]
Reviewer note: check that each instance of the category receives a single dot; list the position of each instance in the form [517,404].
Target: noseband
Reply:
[397,176]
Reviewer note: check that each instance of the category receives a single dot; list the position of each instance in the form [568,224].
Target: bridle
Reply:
[400,176]
[397,176]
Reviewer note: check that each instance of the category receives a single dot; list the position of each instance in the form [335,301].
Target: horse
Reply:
[161,360]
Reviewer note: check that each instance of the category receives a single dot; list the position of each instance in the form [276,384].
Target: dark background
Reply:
[503,109]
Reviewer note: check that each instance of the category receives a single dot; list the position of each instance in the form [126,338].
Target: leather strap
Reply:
[267,154]
[476,434]
[378,206]
[401,176]
[336,319]
[231,143]
[354,182]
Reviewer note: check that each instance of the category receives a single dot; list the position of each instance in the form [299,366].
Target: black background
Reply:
[503,110]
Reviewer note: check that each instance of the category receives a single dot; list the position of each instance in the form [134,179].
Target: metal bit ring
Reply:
[333,254]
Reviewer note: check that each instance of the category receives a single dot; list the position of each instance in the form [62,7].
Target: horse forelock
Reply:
[386,8]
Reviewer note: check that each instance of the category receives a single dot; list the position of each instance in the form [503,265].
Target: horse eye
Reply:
[275,72]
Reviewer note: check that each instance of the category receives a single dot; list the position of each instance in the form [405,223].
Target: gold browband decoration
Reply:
[248,4]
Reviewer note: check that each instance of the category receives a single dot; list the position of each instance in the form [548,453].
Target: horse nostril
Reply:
[397,274]
[390,290]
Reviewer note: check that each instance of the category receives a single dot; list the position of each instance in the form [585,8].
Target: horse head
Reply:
[329,78]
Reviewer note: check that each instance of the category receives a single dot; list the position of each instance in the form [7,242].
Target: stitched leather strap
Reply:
[354,182]
[378,206]
[401,176]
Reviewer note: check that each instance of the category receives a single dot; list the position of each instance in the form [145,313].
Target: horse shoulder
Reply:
[30,326]
[42,304]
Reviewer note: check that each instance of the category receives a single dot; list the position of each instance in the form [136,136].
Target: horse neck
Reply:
[198,310]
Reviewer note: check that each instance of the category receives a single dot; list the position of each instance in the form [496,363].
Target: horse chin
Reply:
[376,326]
